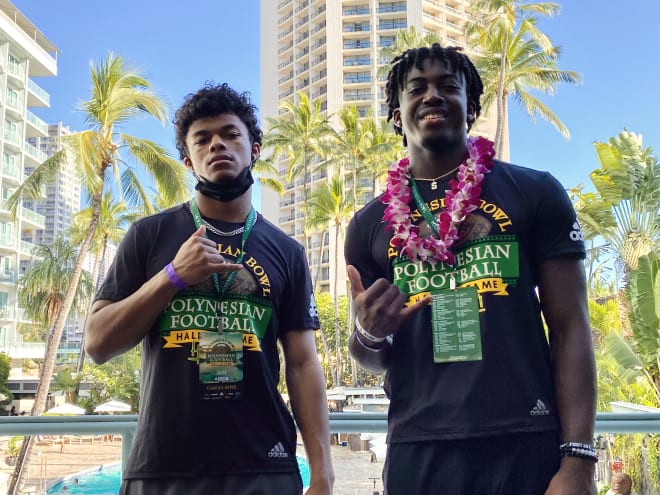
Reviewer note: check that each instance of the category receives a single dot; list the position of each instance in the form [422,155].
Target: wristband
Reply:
[578,449]
[381,346]
[367,336]
[174,277]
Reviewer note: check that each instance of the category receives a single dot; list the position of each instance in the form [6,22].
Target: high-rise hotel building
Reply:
[25,53]
[331,50]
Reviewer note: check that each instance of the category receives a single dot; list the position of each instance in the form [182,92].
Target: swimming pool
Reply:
[106,479]
[103,480]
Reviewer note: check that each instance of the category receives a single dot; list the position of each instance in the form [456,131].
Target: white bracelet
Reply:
[369,337]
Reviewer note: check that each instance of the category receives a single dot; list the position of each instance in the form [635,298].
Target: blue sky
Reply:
[179,46]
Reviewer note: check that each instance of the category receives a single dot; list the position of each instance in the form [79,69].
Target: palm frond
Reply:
[33,185]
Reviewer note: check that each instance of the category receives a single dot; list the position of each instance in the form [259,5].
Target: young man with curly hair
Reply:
[209,288]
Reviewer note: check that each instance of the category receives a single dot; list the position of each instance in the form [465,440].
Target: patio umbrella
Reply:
[65,409]
[113,406]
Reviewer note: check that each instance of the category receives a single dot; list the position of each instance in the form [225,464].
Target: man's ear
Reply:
[396,121]
[256,151]
[471,109]
[188,163]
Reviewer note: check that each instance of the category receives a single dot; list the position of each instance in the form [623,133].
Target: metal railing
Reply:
[124,425]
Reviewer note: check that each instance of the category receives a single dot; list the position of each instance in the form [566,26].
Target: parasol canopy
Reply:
[113,406]
[65,409]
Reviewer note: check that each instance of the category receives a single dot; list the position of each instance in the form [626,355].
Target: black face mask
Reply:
[228,190]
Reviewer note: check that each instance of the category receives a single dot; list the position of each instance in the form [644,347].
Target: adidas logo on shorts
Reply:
[539,409]
[278,451]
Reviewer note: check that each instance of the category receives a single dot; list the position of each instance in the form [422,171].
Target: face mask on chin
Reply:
[229,190]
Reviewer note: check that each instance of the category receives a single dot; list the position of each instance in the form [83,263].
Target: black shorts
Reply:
[247,484]
[520,464]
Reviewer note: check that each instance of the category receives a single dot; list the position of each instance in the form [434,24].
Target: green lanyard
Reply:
[249,223]
[423,207]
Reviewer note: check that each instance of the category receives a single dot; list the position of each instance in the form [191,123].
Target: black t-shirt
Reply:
[179,432]
[524,218]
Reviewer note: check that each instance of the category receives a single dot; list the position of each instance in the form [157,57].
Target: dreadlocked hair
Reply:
[452,56]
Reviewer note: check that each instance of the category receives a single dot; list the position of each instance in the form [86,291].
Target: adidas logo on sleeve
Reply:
[278,450]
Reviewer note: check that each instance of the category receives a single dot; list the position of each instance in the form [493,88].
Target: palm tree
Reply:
[43,288]
[67,382]
[352,144]
[42,293]
[118,94]
[266,173]
[514,58]
[113,220]
[404,40]
[300,135]
[330,205]
[385,148]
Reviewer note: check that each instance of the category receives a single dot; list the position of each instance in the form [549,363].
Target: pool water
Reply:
[106,480]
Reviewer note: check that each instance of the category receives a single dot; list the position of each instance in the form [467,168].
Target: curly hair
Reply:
[452,56]
[212,100]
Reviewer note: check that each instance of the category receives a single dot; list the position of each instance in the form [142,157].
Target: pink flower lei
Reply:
[460,200]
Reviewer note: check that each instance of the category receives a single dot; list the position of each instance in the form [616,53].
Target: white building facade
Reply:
[25,53]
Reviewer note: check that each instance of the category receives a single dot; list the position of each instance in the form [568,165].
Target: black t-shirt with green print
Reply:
[524,218]
[179,432]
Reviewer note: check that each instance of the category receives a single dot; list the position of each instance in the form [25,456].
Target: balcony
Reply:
[11,172]
[37,96]
[27,247]
[16,71]
[37,155]
[7,277]
[36,124]
[37,220]
[24,350]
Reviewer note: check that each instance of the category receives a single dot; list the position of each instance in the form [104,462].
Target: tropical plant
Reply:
[404,40]
[516,58]
[300,135]
[325,305]
[118,94]
[352,144]
[267,176]
[117,379]
[5,368]
[623,211]
[643,295]
[43,288]
[330,205]
[67,383]
[385,148]
[114,218]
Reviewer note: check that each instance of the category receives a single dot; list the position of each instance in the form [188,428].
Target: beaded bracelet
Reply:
[174,277]
[382,345]
[369,337]
[578,449]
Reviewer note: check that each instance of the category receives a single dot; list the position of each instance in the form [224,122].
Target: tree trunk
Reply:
[97,273]
[55,336]
[326,349]
[336,308]
[318,265]
[501,103]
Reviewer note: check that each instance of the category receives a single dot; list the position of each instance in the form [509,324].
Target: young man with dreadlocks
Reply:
[452,270]
[211,289]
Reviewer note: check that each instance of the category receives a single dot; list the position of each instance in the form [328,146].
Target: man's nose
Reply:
[433,94]
[217,142]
